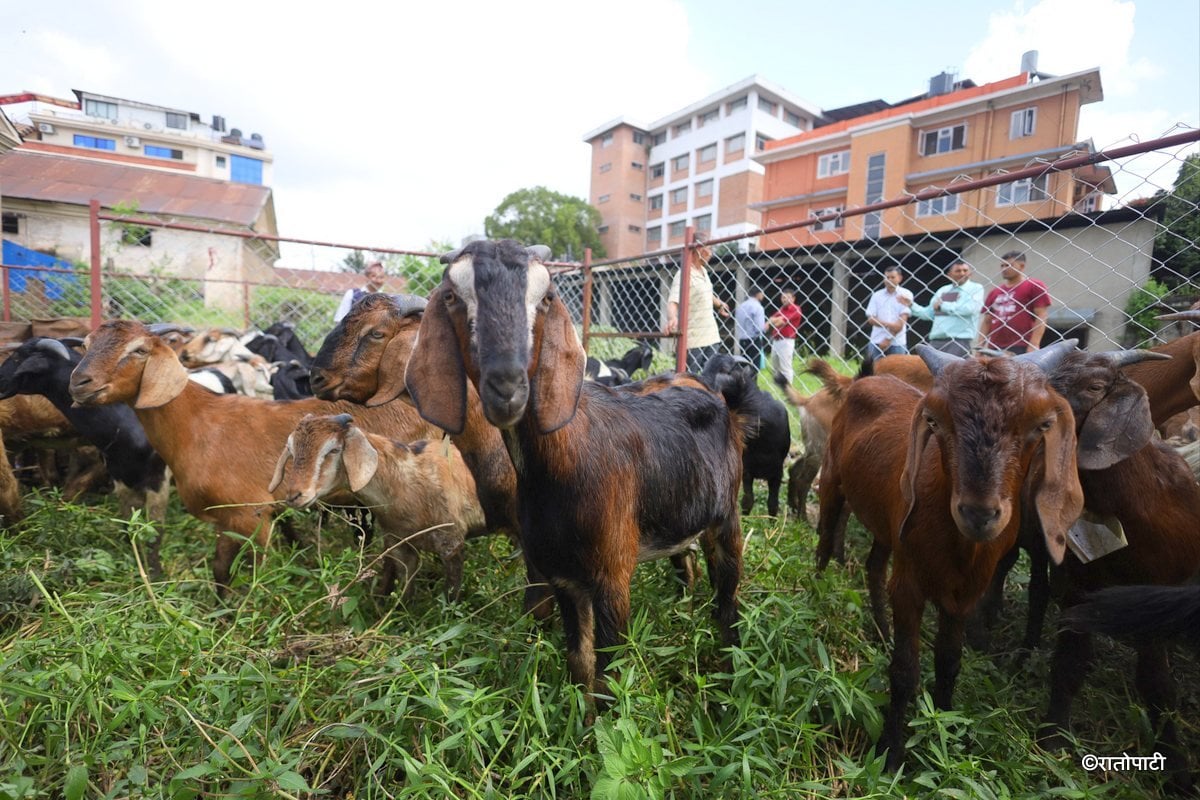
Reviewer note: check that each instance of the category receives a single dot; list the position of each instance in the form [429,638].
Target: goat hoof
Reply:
[1052,737]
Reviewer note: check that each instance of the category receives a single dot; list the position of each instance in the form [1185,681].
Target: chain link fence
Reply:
[1108,272]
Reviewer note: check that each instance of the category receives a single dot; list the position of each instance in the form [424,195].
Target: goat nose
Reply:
[978,517]
[292,498]
[316,379]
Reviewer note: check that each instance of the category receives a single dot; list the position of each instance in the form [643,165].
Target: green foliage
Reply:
[131,234]
[1143,304]
[1177,247]
[421,273]
[355,261]
[567,225]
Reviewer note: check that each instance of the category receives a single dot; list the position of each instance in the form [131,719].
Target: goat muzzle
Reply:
[980,521]
[505,393]
[85,391]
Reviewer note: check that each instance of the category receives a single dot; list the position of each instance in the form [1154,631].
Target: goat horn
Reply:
[343,419]
[538,252]
[410,304]
[71,341]
[936,360]
[1192,314]
[1123,358]
[163,328]
[452,256]
[987,351]
[1048,358]
[54,347]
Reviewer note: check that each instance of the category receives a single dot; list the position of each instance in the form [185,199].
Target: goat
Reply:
[21,417]
[363,359]
[214,380]
[637,358]
[605,477]
[816,418]
[43,367]
[1156,500]
[1136,613]
[422,495]
[220,448]
[290,381]
[221,349]
[768,433]
[1172,386]
[278,343]
[908,368]
[937,480]
[603,374]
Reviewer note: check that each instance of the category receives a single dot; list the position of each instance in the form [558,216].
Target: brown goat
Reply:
[1172,386]
[421,494]
[22,416]
[605,477]
[221,448]
[937,480]
[816,418]
[908,368]
[363,360]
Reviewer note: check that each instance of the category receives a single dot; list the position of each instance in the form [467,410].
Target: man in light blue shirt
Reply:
[751,324]
[955,311]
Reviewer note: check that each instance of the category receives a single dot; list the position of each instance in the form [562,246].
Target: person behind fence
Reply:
[887,313]
[954,310]
[375,276]
[1015,312]
[751,322]
[784,324]
[702,333]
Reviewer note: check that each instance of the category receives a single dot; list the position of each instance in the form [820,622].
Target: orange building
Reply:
[957,131]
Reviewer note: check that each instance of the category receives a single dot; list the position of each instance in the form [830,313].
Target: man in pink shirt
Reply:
[1015,313]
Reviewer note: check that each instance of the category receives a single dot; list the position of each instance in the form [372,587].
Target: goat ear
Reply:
[1116,428]
[360,459]
[436,378]
[163,378]
[280,466]
[561,363]
[1059,498]
[918,440]
[396,356]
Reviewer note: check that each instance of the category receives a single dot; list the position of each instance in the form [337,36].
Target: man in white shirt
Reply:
[887,314]
[375,276]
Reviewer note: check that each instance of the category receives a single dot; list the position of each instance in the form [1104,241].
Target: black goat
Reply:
[768,433]
[290,381]
[43,366]
[280,343]
[1138,612]
[636,358]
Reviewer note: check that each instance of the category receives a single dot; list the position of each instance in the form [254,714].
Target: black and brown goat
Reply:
[221,449]
[605,477]
[363,359]
[937,479]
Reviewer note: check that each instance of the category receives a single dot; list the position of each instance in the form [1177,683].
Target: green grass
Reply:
[303,685]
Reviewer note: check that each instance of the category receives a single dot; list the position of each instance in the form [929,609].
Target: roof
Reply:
[62,179]
[320,280]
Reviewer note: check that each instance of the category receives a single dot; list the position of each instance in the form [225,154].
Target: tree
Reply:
[421,274]
[1177,247]
[567,225]
[355,261]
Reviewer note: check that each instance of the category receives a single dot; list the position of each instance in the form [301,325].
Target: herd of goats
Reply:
[468,412]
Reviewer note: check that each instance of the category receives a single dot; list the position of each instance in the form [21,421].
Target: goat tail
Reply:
[1135,612]
[831,379]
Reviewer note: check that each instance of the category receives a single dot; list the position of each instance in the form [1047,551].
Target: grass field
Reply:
[302,685]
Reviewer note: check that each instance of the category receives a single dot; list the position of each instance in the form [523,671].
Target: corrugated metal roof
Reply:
[61,179]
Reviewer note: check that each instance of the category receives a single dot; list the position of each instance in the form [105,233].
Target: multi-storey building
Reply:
[956,131]
[138,134]
[692,167]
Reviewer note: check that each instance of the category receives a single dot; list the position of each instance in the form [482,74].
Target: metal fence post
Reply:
[685,288]
[587,297]
[97,288]
[245,305]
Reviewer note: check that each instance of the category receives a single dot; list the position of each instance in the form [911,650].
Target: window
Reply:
[602,229]
[635,228]
[606,166]
[735,143]
[676,229]
[760,142]
[706,154]
[656,171]
[637,198]
[220,161]
[639,137]
[679,163]
[876,170]
[654,236]
[656,202]
[681,128]
[1026,190]
[95,142]
[602,199]
[177,121]
[606,139]
[659,138]
[703,224]
[679,195]
[704,189]
[937,206]
[11,224]
[735,105]
[1024,123]
[791,117]
[162,152]
[766,105]
[943,140]
[827,225]
[99,108]
[245,170]
[709,116]
[639,166]
[833,164]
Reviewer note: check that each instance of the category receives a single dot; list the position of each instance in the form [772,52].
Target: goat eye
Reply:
[1046,425]
[451,298]
[376,334]
[546,299]
[932,423]
[1096,387]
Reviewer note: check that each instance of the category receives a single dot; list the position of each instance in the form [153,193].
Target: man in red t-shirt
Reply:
[1015,313]
[783,324]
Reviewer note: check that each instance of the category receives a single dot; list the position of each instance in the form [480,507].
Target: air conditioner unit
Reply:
[133,141]
[45,127]
[147,125]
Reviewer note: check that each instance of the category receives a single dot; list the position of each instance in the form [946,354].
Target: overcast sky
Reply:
[394,126]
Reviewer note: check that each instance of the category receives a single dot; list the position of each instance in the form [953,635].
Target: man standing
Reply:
[375,275]
[751,326]
[1016,311]
[954,311]
[887,314]
[784,324]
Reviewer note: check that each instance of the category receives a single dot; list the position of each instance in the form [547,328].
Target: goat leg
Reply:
[773,484]
[747,492]
[610,606]
[722,544]
[575,608]
[904,674]
[1068,667]
[982,619]
[1157,688]
[947,658]
[877,563]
